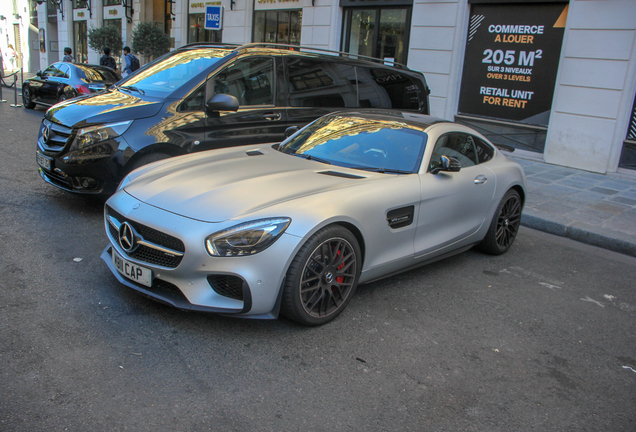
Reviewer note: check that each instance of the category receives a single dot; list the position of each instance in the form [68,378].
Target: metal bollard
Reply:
[1,100]
[15,92]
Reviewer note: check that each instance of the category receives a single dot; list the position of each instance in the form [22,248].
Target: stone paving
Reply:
[593,208]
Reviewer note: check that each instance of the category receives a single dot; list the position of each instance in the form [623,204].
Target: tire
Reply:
[322,278]
[504,226]
[146,159]
[62,98]
[26,98]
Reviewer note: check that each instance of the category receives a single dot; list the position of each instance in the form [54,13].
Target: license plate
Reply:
[132,271]
[43,161]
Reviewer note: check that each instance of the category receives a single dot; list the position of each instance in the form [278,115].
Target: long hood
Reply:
[103,107]
[220,185]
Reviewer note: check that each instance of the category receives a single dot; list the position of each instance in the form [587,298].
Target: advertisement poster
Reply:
[512,57]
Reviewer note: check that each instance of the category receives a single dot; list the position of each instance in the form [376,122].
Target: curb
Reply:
[583,233]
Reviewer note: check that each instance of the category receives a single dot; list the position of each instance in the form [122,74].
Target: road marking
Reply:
[587,299]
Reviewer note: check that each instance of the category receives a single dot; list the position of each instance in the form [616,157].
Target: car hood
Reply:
[104,107]
[225,184]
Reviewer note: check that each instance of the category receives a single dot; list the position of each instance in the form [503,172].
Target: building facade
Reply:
[553,78]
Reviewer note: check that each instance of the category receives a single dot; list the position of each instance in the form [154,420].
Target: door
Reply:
[44,86]
[454,204]
[260,117]
[54,85]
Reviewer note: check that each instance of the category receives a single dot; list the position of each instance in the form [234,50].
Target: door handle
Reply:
[271,116]
[481,179]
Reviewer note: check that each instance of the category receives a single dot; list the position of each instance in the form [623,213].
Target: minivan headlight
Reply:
[96,134]
[246,239]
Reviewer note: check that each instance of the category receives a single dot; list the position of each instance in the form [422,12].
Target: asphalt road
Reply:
[541,338]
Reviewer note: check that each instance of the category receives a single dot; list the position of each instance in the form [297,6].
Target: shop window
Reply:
[197,31]
[277,26]
[377,32]
[628,155]
[81,42]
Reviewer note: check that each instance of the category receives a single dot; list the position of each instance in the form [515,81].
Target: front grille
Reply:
[227,286]
[146,253]
[59,136]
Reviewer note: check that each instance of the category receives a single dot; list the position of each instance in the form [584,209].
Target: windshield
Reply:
[363,143]
[162,78]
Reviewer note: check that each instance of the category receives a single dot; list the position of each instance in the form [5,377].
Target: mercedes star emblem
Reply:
[45,133]
[127,237]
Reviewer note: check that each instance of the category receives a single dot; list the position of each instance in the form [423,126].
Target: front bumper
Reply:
[191,284]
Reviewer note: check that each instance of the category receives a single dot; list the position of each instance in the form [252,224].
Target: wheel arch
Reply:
[356,233]
[521,192]
[169,149]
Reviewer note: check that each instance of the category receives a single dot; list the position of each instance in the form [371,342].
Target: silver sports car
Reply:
[292,229]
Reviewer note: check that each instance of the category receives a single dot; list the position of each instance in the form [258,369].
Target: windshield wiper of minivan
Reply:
[382,170]
[312,158]
[132,88]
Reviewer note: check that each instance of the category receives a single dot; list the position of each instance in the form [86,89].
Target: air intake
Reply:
[340,174]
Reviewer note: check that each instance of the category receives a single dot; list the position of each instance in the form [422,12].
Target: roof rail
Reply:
[210,45]
[340,53]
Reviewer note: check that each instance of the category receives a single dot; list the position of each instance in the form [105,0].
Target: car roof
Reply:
[423,121]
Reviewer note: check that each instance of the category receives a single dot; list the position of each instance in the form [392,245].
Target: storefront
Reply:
[277,21]
[81,13]
[510,68]
[377,28]
[196,22]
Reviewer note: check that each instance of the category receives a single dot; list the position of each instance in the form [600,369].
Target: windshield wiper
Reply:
[132,88]
[382,170]
[312,158]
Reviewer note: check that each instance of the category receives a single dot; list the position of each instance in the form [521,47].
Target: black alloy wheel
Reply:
[323,277]
[26,97]
[504,226]
[62,98]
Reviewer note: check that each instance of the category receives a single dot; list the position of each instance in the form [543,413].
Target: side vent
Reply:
[401,217]
[254,153]
[340,174]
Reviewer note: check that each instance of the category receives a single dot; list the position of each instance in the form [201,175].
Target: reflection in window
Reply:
[248,80]
[197,31]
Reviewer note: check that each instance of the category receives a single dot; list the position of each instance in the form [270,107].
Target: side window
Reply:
[388,88]
[320,83]
[458,145]
[63,71]
[484,151]
[250,80]
[195,101]
[51,71]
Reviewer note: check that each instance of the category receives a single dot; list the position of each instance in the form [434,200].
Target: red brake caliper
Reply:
[340,279]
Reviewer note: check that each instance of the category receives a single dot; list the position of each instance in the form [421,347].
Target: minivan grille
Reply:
[147,253]
[59,136]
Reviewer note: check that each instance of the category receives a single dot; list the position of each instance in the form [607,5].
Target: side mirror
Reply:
[39,73]
[448,164]
[290,131]
[222,102]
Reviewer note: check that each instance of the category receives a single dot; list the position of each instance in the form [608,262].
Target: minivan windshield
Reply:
[372,144]
[164,77]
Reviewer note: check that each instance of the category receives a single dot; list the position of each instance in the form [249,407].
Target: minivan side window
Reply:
[250,80]
[321,83]
[388,88]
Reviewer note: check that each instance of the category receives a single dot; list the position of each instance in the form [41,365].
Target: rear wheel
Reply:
[504,226]
[322,277]
[26,98]
[62,98]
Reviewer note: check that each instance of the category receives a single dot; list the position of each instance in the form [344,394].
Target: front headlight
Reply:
[96,134]
[247,238]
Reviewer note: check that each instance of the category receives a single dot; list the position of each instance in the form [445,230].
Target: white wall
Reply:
[595,85]
[436,48]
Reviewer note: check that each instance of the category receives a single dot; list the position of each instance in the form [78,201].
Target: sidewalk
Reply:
[590,208]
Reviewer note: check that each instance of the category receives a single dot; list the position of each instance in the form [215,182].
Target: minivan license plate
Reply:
[43,161]
[132,271]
